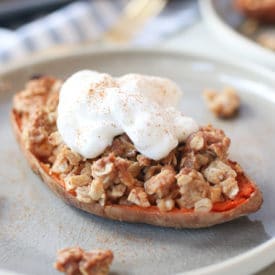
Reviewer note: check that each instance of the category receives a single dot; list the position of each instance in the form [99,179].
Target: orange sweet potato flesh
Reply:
[248,200]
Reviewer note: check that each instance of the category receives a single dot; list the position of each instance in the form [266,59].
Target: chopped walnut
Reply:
[76,261]
[82,194]
[116,191]
[224,104]
[197,141]
[41,85]
[144,161]
[61,165]
[104,169]
[139,197]
[134,169]
[193,187]
[103,166]
[203,205]
[161,183]
[220,173]
[230,187]
[217,143]
[55,138]
[122,147]
[195,161]
[35,94]
[126,172]
[216,193]
[97,191]
[36,132]
[96,262]
[210,143]
[53,98]
[170,159]
[65,161]
[73,181]
[151,171]
[68,260]
[86,169]
[72,157]
[165,204]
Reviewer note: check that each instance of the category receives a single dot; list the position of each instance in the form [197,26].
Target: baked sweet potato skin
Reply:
[175,218]
[264,11]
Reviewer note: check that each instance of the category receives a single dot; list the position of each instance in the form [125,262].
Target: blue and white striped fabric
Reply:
[86,21]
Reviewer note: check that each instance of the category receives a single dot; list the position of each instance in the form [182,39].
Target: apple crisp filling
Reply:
[195,175]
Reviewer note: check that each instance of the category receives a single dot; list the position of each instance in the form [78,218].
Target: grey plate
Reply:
[34,223]
[224,21]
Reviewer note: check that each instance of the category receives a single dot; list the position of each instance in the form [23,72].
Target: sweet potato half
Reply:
[248,200]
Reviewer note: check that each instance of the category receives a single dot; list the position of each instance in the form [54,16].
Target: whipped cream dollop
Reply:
[95,107]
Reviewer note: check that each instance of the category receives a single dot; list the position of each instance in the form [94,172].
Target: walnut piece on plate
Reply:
[76,261]
[223,104]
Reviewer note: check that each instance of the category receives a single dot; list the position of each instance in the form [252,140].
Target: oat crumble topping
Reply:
[194,175]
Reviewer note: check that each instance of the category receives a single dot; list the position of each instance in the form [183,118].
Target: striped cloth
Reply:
[84,21]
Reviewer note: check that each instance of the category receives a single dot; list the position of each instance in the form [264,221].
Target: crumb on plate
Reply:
[223,104]
[76,261]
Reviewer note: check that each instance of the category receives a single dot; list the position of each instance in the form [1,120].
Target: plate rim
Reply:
[223,32]
[92,50]
[248,262]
